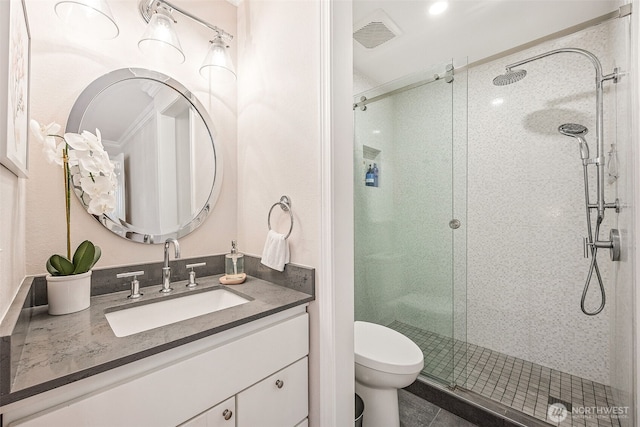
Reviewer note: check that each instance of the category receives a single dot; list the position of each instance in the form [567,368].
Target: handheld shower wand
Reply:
[578,132]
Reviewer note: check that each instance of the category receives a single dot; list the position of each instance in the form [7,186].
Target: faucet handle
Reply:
[135,285]
[192,274]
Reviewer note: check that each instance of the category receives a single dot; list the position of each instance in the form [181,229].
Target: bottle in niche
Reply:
[369,178]
[375,175]
[234,264]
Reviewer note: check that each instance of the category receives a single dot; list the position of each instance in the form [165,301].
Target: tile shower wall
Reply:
[526,209]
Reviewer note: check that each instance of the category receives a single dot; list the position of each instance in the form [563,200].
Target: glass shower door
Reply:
[409,219]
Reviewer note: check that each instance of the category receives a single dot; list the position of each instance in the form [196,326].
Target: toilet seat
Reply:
[383,349]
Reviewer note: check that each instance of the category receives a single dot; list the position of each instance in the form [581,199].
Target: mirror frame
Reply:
[119,226]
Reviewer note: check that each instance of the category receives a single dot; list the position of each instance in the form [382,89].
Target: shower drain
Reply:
[566,404]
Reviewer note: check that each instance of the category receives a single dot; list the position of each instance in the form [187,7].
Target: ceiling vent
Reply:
[375,30]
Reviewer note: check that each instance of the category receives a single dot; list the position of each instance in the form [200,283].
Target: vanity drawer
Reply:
[280,400]
[221,415]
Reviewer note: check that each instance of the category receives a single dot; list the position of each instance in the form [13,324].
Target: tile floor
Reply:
[417,412]
[517,383]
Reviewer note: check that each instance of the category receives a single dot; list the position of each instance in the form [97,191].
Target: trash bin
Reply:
[359,411]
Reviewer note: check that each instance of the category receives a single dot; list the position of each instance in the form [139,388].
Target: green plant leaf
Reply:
[51,269]
[83,257]
[63,266]
[96,257]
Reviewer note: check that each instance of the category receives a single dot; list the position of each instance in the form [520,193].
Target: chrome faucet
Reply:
[166,270]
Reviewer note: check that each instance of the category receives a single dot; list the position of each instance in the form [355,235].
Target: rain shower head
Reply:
[577,131]
[509,77]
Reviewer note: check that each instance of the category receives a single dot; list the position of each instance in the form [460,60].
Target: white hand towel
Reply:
[276,251]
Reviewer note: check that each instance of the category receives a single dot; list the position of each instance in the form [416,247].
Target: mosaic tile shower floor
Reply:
[517,383]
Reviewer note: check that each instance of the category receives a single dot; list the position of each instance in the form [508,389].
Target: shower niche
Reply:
[371,163]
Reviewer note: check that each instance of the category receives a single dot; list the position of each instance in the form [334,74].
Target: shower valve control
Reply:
[613,244]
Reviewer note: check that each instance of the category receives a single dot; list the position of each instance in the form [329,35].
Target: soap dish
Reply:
[236,279]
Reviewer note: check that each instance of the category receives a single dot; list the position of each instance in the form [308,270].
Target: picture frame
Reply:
[15,67]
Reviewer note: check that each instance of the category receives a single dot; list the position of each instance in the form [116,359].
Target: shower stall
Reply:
[470,239]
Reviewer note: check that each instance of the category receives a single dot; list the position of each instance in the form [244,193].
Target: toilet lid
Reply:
[381,348]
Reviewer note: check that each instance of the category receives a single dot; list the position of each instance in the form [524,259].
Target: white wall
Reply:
[279,136]
[61,68]
[12,236]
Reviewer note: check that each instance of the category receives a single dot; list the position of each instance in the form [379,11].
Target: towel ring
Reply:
[285,205]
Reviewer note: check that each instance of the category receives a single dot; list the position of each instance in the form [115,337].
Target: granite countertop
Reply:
[58,350]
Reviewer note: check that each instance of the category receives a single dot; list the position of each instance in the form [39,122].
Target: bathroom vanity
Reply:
[242,366]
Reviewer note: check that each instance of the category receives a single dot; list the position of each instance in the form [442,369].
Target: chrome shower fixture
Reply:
[509,77]
[577,131]
[591,242]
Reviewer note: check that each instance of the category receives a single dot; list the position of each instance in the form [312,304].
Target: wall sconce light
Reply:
[92,18]
[217,58]
[161,36]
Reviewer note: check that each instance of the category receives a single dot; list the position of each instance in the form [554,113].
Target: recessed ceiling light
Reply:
[438,7]
[497,101]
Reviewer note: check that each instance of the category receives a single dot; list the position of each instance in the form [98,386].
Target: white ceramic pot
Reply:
[68,294]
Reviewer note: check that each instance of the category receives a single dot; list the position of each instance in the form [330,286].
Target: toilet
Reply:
[385,360]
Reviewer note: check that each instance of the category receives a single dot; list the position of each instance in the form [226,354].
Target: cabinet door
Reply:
[280,400]
[221,415]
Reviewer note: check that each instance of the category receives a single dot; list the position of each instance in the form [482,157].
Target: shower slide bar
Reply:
[448,77]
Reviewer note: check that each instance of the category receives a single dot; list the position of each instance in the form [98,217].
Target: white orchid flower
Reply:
[46,134]
[101,160]
[43,131]
[77,142]
[92,172]
[88,163]
[54,153]
[102,204]
[96,186]
[93,141]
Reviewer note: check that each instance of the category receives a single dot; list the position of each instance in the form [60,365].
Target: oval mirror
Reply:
[160,139]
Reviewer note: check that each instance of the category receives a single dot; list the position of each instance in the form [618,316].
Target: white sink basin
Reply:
[141,318]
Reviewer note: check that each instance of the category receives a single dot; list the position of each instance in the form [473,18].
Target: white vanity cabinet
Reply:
[222,415]
[280,400]
[257,371]
[277,401]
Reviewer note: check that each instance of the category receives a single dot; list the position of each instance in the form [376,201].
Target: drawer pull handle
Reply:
[279,383]
[227,414]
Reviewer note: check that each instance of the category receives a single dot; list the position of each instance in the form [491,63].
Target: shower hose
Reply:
[594,252]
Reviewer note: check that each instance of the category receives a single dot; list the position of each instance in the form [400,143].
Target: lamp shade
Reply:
[91,18]
[217,58]
[160,38]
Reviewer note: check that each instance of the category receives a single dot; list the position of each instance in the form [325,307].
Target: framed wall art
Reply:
[15,55]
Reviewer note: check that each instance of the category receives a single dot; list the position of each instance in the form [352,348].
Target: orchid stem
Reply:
[67,187]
